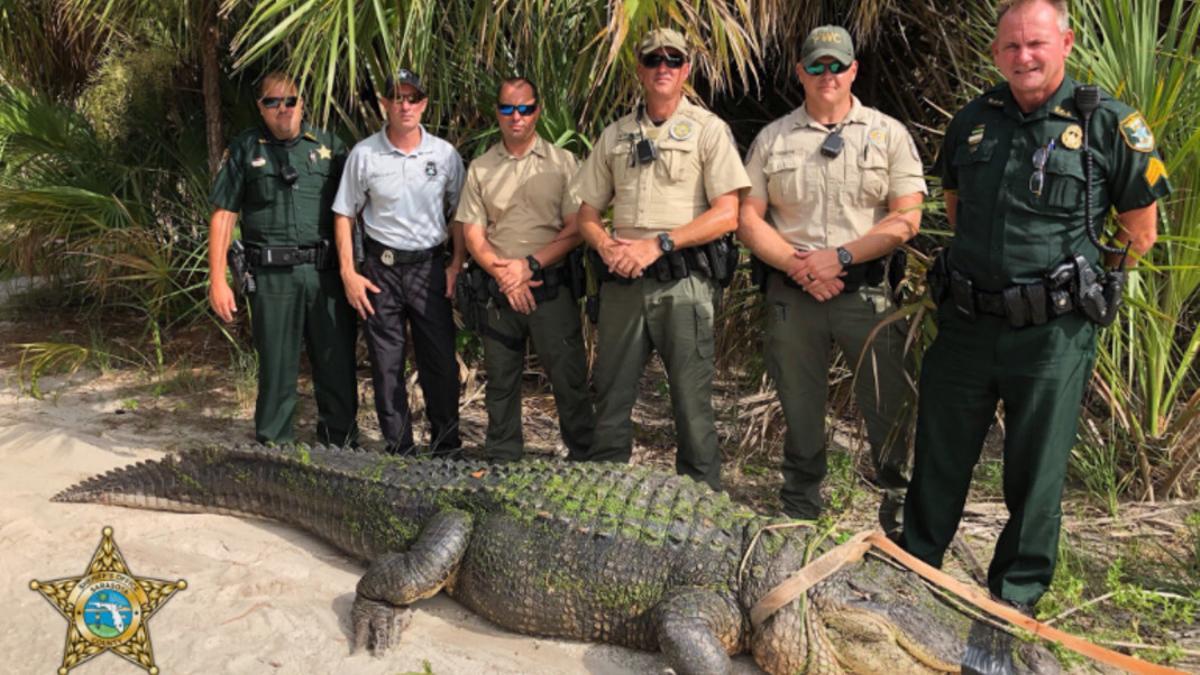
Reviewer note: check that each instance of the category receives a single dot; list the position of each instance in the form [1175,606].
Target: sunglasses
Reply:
[273,102]
[526,109]
[408,98]
[835,67]
[673,61]
[1037,181]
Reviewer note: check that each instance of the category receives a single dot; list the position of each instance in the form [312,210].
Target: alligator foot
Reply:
[377,625]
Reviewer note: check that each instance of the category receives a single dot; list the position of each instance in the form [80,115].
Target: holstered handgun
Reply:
[1089,293]
[962,294]
[243,276]
[938,277]
[1114,295]
[576,273]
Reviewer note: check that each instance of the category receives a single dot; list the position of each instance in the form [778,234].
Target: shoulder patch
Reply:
[1155,171]
[1137,133]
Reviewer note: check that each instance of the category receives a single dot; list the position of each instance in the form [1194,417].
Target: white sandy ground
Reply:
[261,597]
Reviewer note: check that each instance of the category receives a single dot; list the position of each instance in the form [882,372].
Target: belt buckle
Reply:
[388,258]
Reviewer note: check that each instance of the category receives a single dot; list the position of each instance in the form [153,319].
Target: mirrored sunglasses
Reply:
[526,109]
[673,61]
[835,67]
[273,102]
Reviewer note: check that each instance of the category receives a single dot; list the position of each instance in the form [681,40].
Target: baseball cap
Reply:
[403,76]
[827,41]
[660,38]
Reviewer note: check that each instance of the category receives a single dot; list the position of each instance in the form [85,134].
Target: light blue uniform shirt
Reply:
[404,198]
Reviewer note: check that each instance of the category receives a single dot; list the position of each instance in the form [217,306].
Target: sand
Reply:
[261,597]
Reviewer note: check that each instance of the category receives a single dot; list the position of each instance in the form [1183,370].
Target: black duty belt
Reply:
[394,256]
[282,256]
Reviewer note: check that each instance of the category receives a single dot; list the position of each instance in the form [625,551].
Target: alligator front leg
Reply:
[396,580]
[697,630]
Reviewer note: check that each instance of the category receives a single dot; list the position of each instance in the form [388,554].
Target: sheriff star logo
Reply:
[108,608]
[324,152]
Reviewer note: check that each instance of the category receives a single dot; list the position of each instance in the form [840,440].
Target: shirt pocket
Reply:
[679,161]
[262,184]
[873,175]
[1065,182]
[970,164]
[623,174]
[785,173]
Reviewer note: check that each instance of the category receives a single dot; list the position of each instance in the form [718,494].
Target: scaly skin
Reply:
[599,552]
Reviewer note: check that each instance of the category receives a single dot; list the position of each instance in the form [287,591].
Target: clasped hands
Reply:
[515,280]
[818,272]
[629,258]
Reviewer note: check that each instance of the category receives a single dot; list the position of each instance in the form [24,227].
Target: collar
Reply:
[421,148]
[1060,104]
[858,115]
[539,148]
[631,125]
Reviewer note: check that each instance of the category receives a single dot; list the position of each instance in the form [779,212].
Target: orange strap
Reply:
[853,550]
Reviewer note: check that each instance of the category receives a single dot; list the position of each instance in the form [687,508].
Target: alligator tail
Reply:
[298,487]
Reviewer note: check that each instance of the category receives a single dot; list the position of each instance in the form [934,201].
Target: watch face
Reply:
[844,256]
[665,242]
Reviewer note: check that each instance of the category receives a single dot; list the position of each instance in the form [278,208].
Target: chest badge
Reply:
[1072,137]
[387,258]
[1137,133]
[258,161]
[430,169]
[976,136]
[324,152]
[878,136]
[681,131]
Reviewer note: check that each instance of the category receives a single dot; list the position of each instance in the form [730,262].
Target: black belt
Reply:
[281,256]
[394,256]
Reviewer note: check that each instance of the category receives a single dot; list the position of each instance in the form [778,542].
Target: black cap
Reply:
[403,76]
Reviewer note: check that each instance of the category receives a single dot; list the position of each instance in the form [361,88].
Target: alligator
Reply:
[597,552]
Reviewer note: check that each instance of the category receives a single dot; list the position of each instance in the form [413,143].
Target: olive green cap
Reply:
[660,38]
[827,41]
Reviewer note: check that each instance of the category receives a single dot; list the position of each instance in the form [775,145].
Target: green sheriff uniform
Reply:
[1013,226]
[521,202]
[293,299]
[817,202]
[697,162]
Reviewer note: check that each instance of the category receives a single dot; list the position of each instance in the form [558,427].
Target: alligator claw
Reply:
[377,625]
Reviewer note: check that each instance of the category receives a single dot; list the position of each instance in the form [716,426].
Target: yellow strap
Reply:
[853,550]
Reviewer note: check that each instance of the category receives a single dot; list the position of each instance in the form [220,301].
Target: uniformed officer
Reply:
[671,173]
[282,177]
[405,183]
[844,185]
[1013,165]
[518,219]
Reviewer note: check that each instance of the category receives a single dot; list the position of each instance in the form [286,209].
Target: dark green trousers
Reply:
[800,333]
[558,342]
[676,319]
[293,304]
[1039,373]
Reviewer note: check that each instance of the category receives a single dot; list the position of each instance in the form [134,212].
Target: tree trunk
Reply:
[210,84]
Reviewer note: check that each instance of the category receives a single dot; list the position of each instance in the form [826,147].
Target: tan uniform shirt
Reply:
[820,202]
[522,201]
[697,162]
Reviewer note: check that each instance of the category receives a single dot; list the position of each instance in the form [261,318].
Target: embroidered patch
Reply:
[1062,112]
[1072,137]
[1137,133]
[976,136]
[878,136]
[431,169]
[1155,171]
[681,131]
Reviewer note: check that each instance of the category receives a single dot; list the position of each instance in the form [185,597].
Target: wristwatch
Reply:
[844,256]
[665,243]
[534,265]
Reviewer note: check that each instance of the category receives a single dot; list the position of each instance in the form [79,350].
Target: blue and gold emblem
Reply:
[1137,133]
[108,608]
